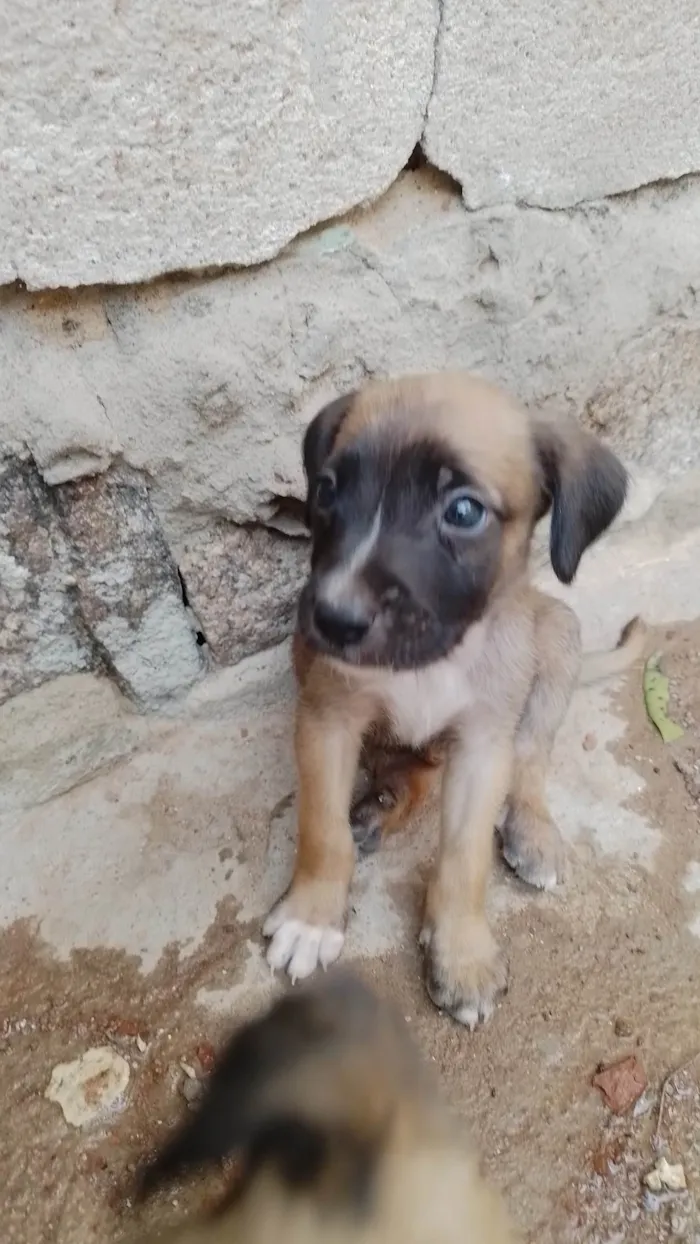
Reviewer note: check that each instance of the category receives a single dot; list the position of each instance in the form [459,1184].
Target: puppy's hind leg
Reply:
[532,844]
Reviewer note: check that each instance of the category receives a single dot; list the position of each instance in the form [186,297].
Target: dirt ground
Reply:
[605,968]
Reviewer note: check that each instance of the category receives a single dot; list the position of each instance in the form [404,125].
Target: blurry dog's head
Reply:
[340,1130]
[423,495]
[313,1090]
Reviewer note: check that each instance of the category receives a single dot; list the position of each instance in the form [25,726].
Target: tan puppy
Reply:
[343,1135]
[418,629]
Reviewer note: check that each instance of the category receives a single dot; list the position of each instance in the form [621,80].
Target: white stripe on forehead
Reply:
[336,582]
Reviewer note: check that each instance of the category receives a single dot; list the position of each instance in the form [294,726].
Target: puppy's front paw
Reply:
[306,930]
[533,848]
[465,972]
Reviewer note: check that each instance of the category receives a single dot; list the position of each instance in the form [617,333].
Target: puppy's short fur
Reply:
[421,641]
[342,1134]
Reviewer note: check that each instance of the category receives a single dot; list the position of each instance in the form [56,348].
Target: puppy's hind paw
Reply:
[465,972]
[534,849]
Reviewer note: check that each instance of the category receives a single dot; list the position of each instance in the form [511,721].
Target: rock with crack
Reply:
[243,584]
[127,586]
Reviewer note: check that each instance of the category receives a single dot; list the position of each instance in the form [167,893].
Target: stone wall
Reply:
[214,218]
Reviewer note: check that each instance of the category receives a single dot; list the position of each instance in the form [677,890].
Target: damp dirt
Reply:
[607,968]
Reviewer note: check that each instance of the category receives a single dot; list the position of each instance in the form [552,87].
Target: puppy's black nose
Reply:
[339,624]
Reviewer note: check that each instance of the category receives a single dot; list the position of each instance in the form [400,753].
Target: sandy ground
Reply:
[139,857]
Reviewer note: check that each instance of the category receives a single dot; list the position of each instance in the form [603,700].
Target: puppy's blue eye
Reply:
[466,513]
[325,491]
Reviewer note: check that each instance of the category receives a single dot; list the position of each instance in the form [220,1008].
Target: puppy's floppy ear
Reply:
[584,483]
[319,439]
[284,1093]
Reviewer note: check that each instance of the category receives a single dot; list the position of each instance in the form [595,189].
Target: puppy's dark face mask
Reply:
[409,543]
[405,552]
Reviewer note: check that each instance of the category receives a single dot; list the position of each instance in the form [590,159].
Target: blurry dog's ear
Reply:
[319,439]
[585,485]
[289,1091]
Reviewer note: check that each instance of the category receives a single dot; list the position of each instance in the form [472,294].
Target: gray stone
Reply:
[243,586]
[128,588]
[555,102]
[159,136]
[60,734]
[41,632]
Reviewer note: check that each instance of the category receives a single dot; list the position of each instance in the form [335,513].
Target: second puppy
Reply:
[418,627]
[342,1135]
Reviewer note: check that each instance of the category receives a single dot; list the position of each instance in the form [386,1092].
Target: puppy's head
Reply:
[309,1097]
[422,498]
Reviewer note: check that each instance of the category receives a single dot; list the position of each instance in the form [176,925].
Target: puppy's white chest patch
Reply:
[420,704]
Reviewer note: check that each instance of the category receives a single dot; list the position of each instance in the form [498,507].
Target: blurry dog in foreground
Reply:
[342,1135]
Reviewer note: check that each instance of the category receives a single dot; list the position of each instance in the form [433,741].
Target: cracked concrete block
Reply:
[558,101]
[208,383]
[127,587]
[41,634]
[243,586]
[154,136]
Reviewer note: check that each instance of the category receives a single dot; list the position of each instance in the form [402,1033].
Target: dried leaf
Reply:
[621,1084]
[656,696]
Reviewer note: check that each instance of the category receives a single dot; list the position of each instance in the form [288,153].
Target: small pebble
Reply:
[191,1090]
[665,1177]
[623,1027]
[589,742]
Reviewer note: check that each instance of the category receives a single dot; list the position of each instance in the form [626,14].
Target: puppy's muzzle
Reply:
[340,625]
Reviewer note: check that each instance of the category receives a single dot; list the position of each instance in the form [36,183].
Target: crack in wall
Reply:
[437,48]
[417,161]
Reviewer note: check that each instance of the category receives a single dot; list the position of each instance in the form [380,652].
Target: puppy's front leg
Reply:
[465,970]
[307,926]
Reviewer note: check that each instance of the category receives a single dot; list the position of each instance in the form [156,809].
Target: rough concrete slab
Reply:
[132,905]
[555,103]
[563,309]
[145,138]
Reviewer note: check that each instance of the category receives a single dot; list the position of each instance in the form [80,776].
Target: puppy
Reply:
[418,629]
[343,1136]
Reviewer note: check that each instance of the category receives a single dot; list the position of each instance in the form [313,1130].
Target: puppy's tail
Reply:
[630,647]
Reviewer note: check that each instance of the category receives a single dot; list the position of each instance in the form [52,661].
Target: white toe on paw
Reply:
[469,1016]
[301,948]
